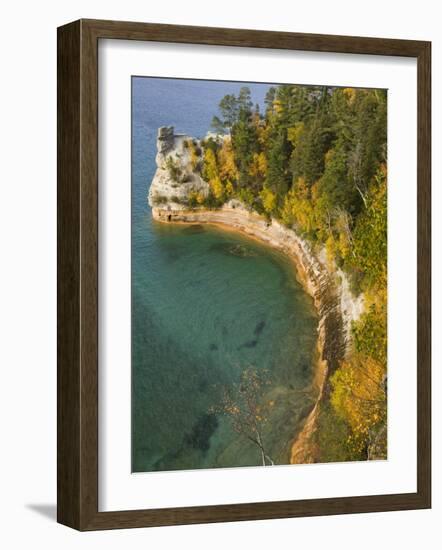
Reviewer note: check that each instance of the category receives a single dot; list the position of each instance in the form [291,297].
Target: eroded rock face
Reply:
[329,287]
[178,171]
[165,139]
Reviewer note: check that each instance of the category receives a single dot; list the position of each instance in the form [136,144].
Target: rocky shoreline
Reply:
[329,288]
[335,306]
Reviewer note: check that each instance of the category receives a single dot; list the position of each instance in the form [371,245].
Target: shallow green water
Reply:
[207,303]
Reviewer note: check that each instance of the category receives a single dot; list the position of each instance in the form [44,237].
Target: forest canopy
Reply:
[315,159]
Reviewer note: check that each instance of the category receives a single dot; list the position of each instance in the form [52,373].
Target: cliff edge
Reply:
[176,179]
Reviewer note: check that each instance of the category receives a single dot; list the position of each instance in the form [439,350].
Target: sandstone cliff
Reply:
[329,287]
[175,178]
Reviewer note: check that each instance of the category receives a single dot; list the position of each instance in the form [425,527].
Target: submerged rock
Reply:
[194,229]
[202,431]
[241,251]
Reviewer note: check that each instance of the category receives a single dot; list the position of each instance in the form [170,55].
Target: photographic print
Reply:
[259,274]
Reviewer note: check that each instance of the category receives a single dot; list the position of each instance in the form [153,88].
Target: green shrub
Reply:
[173,169]
[159,199]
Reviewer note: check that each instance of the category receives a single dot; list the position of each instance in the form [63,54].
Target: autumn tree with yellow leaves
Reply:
[316,160]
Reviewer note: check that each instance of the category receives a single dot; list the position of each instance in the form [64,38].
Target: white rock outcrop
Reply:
[175,178]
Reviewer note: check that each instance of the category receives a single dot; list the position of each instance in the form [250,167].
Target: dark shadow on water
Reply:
[249,344]
[259,327]
[49,511]
[305,366]
[202,431]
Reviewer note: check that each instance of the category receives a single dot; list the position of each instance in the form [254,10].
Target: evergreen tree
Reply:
[316,160]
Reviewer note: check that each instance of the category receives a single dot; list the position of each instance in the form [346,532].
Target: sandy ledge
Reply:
[335,304]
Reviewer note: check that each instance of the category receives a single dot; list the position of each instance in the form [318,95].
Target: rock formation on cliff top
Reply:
[178,160]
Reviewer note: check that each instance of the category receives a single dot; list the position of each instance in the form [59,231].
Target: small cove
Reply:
[207,303]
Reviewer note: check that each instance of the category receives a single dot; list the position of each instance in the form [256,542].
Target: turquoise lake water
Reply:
[202,312]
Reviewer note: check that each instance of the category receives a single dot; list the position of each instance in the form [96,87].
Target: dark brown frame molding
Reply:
[77,224]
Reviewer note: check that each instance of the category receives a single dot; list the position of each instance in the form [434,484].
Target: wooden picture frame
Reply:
[77,226]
